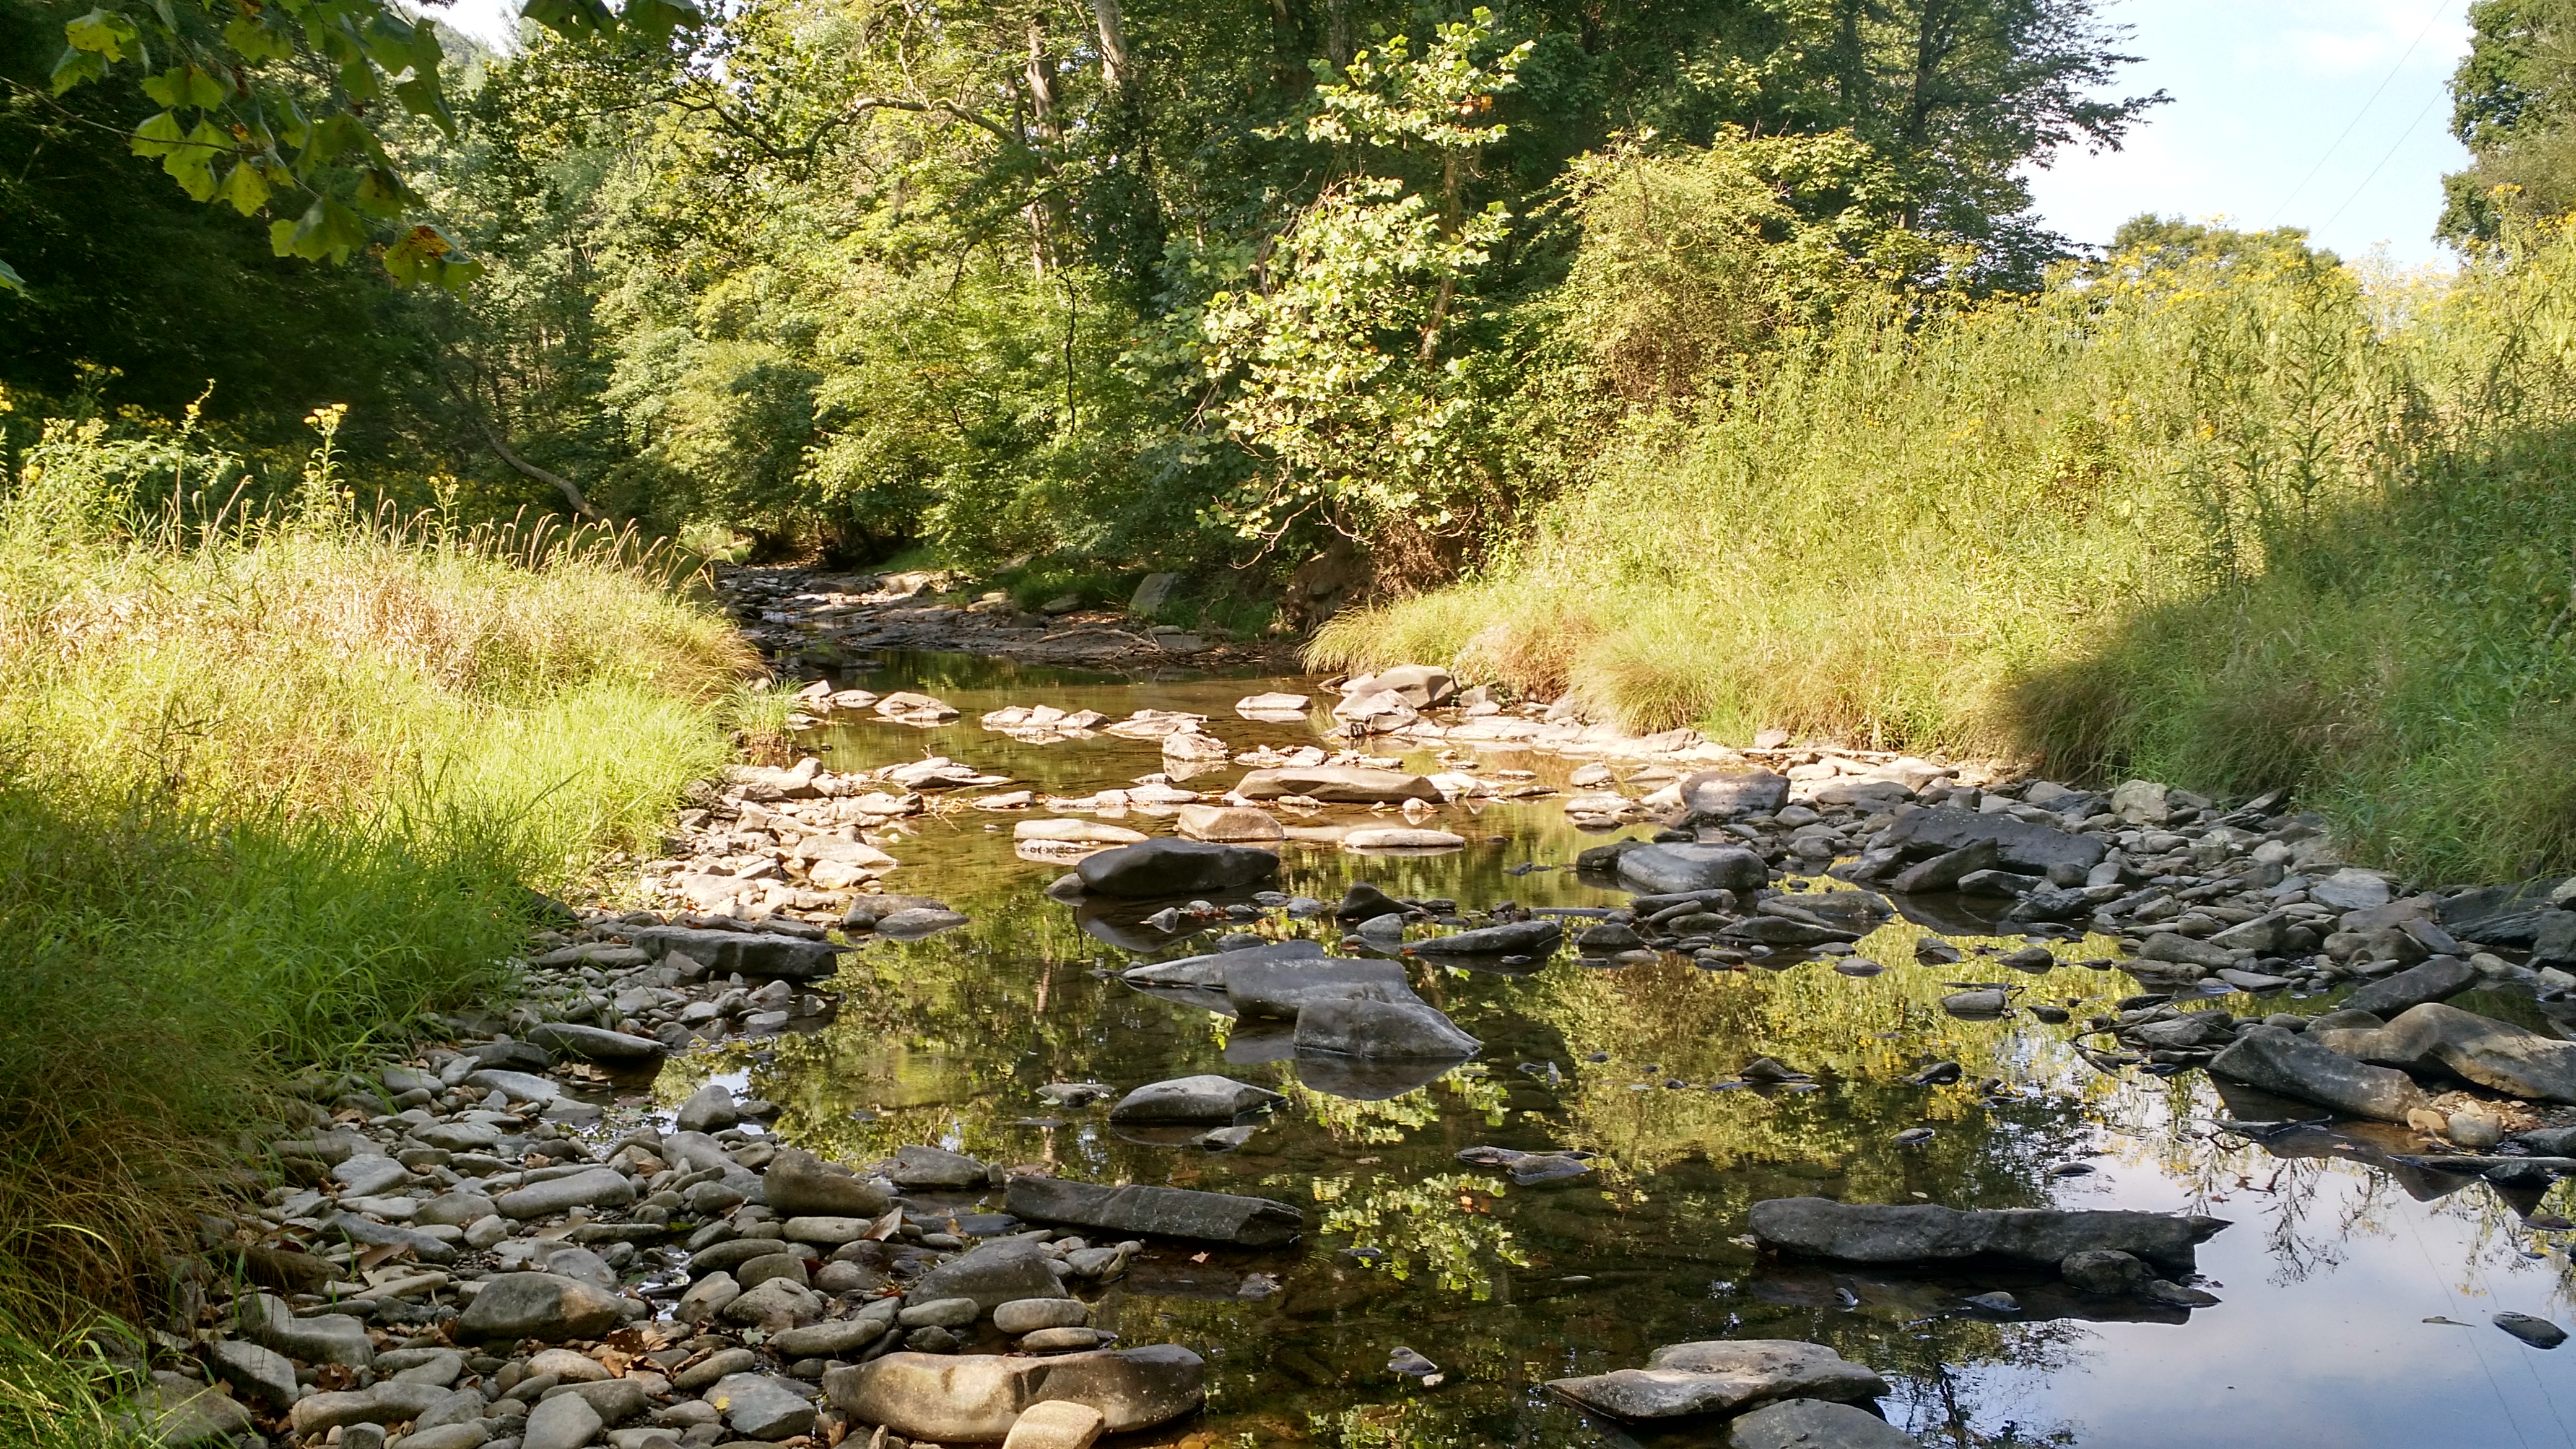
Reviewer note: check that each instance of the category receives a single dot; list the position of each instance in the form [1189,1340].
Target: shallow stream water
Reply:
[2355,1298]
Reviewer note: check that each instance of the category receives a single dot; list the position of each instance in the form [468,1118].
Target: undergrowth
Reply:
[270,789]
[2238,519]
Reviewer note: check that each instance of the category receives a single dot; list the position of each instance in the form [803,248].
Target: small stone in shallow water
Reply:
[2538,1332]
[1913,1136]
[1996,1302]
[1406,1361]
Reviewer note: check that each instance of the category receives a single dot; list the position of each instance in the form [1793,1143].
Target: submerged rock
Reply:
[1516,938]
[1174,867]
[1206,1098]
[1923,1232]
[975,1398]
[1281,987]
[1338,785]
[2436,979]
[1357,1026]
[2019,844]
[1171,1212]
[1675,868]
[1721,1376]
[2289,1065]
[1815,1424]
[1229,823]
[2435,1038]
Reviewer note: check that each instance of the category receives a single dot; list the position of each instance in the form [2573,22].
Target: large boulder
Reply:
[799,1184]
[2437,979]
[975,1398]
[915,1165]
[1279,987]
[1513,938]
[1684,867]
[1818,1227]
[1204,1098]
[546,1306]
[1338,785]
[2433,1038]
[752,953]
[593,1187]
[2022,846]
[1169,1212]
[2289,1065]
[1726,794]
[1721,1376]
[1358,1026]
[325,1338]
[1174,868]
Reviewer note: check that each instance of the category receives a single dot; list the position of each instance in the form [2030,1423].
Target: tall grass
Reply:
[269,790]
[2239,519]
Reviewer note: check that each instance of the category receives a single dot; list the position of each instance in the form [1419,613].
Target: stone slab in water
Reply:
[992,1274]
[2437,979]
[975,1398]
[1815,1424]
[2434,1038]
[2289,1065]
[597,1044]
[1923,1232]
[1675,868]
[1338,785]
[2022,845]
[1280,986]
[1204,1098]
[1725,794]
[1513,938]
[752,953]
[1171,1212]
[1174,868]
[1210,969]
[1721,1376]
[1357,1026]
[799,1184]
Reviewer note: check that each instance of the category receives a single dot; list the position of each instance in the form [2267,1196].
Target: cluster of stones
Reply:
[820,620]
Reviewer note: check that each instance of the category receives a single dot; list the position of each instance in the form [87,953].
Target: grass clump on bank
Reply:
[2216,511]
[269,791]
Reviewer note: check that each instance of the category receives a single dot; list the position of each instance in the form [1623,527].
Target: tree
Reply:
[2512,102]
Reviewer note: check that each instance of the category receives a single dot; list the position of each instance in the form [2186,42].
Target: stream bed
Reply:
[2354,1298]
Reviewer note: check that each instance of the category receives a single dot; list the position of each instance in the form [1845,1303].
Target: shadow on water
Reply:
[2328,1276]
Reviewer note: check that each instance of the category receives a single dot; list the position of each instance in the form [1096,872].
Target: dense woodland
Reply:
[1110,286]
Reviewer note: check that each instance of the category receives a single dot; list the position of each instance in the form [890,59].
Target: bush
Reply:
[2223,511]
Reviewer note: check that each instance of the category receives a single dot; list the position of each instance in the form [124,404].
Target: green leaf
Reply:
[571,19]
[10,281]
[192,163]
[655,19]
[327,229]
[254,41]
[103,31]
[244,187]
[185,85]
[159,136]
[77,67]
[327,139]
[422,97]
[426,254]
[382,193]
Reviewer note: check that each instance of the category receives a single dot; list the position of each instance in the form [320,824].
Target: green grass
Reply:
[271,793]
[2233,521]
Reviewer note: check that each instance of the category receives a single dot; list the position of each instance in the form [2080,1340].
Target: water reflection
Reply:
[2334,1265]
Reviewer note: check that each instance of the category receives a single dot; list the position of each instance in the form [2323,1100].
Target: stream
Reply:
[2354,1299]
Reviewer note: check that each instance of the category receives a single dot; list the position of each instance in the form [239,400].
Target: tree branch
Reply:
[561,484]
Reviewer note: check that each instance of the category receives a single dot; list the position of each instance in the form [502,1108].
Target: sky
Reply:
[2325,114]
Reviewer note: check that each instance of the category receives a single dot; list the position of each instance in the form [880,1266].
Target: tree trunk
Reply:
[561,484]
[1113,45]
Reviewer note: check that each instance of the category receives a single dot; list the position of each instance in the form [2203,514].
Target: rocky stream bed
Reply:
[1189,1060]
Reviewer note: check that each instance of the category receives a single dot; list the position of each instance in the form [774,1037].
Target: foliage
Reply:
[277,784]
[2513,100]
[2214,511]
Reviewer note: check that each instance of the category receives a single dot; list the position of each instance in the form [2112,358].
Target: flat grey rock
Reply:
[1924,1232]
[1174,868]
[1358,1026]
[1721,1376]
[1253,1222]
[1513,938]
[597,1187]
[752,953]
[547,1306]
[1815,1424]
[1276,987]
[975,1398]
[1205,1098]
[2439,1039]
[1676,868]
[799,1184]
[1338,785]
[761,1407]
[2018,843]
[2290,1065]
[2436,979]
[598,1044]
[991,1274]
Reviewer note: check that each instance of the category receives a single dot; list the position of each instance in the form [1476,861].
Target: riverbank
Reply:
[271,794]
[2241,521]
